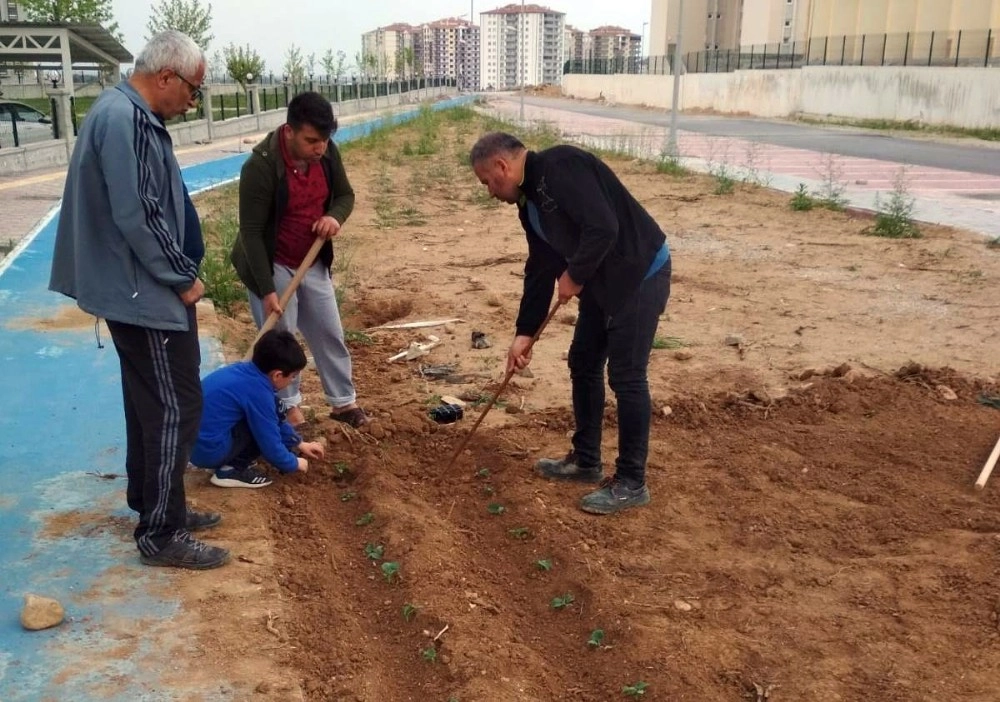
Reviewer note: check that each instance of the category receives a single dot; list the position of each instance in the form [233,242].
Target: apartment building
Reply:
[729,24]
[831,18]
[615,43]
[388,52]
[9,12]
[521,45]
[577,45]
[449,48]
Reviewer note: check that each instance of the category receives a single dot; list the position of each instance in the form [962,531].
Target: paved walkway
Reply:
[942,196]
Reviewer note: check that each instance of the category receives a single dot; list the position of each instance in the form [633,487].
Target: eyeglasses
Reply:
[195,89]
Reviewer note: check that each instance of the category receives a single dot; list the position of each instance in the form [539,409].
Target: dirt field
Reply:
[813,534]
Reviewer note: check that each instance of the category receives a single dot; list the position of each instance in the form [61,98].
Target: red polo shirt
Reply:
[307,194]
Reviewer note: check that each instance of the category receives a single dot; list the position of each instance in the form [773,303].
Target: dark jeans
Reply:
[161,389]
[244,449]
[623,342]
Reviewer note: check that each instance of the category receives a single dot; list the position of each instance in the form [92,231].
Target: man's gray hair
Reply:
[170,49]
[489,145]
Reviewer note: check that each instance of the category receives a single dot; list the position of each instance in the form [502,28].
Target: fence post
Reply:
[906,49]
[863,37]
[958,47]
[989,39]
[809,51]
[222,107]
[885,42]
[208,109]
[751,57]
[777,57]
[253,96]
[930,52]
[843,51]
[826,48]
[63,114]
[53,111]
[237,103]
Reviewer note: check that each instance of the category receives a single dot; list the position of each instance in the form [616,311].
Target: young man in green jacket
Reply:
[293,190]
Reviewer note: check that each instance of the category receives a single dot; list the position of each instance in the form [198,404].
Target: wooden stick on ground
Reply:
[503,386]
[988,468]
[300,273]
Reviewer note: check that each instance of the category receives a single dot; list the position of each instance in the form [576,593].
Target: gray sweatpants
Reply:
[313,311]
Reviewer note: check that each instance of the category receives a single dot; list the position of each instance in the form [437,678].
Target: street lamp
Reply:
[54,77]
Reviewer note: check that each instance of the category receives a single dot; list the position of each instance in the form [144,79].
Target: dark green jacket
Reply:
[263,199]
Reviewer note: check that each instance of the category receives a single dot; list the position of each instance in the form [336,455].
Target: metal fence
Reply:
[951,49]
[16,131]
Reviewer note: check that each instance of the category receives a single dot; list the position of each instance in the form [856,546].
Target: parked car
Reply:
[32,125]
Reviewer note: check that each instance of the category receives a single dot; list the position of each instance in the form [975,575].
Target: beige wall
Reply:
[852,17]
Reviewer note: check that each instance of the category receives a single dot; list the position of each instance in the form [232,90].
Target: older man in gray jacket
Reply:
[120,252]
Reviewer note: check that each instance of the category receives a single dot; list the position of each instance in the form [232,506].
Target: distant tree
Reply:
[188,16]
[311,63]
[327,61]
[69,11]
[294,67]
[217,65]
[241,60]
[341,66]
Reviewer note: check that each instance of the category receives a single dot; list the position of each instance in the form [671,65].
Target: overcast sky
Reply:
[271,26]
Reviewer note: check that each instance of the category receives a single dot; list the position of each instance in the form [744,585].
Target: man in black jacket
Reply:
[588,234]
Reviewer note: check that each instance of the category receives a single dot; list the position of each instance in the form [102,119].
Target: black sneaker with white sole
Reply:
[230,477]
[201,520]
[184,551]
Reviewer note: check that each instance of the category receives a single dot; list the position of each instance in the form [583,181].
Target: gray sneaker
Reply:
[614,496]
[184,551]
[568,469]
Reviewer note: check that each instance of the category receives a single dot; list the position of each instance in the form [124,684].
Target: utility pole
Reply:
[520,46]
[672,144]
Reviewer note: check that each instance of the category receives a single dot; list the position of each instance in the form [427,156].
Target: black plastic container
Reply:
[447,414]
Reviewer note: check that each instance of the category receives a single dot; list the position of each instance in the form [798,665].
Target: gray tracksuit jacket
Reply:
[120,240]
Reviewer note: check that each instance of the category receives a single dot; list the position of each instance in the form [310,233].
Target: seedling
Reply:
[433,401]
[348,496]
[636,690]
[374,551]
[496,508]
[390,571]
[596,638]
[894,218]
[488,490]
[483,473]
[562,602]
[409,611]
[365,519]
[544,564]
[358,337]
[341,468]
[802,201]
[668,342]
[430,654]
[520,532]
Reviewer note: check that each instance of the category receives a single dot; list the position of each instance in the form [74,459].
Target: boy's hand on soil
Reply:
[311,449]
[303,465]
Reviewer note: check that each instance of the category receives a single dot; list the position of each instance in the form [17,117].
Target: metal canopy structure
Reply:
[66,46]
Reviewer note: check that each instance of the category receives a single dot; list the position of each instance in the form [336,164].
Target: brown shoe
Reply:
[355,417]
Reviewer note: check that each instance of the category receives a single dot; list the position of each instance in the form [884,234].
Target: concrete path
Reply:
[964,194]
[66,532]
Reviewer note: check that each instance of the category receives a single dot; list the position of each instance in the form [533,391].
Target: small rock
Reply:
[41,613]
[512,409]
[565,355]
[852,375]
[288,501]
[804,375]
[734,340]
[946,393]
[480,340]
[683,606]
[264,688]
[452,400]
[376,429]
[667,411]
[525,372]
[449,328]
[759,394]
[256,579]
[683,355]
[841,370]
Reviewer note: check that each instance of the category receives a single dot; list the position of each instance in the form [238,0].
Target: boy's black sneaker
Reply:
[248,477]
[201,520]
[568,469]
[184,551]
